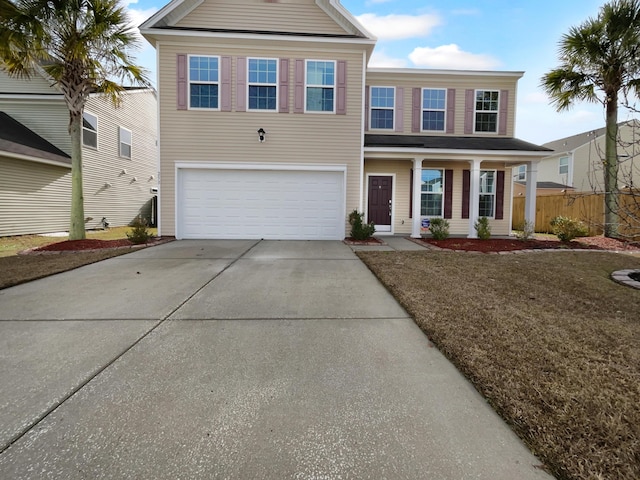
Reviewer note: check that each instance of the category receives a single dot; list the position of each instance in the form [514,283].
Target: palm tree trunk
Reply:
[611,219]
[76,227]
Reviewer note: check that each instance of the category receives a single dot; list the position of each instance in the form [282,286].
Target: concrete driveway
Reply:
[235,359]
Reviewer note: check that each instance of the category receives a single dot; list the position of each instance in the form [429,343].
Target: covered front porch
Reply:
[404,185]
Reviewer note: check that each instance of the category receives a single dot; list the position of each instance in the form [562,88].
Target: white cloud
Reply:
[451,57]
[380,59]
[398,27]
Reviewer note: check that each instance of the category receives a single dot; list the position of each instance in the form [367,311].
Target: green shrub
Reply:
[439,228]
[359,229]
[483,228]
[139,231]
[525,231]
[566,229]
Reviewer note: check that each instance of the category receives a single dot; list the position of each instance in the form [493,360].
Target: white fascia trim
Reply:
[21,96]
[446,151]
[256,36]
[339,14]
[29,158]
[166,10]
[262,166]
[479,73]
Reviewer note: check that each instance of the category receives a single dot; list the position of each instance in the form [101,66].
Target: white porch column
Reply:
[416,224]
[530,199]
[474,197]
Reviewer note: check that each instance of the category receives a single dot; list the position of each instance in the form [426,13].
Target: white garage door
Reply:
[274,205]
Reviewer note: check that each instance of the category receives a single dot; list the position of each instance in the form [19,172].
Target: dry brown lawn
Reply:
[547,338]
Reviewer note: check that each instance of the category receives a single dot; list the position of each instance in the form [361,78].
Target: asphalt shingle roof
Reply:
[451,143]
[16,138]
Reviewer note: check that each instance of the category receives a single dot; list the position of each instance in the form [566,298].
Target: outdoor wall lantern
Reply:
[261,135]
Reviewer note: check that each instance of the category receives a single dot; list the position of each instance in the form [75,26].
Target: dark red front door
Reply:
[379,205]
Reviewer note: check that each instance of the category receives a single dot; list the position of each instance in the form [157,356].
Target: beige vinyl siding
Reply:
[47,118]
[34,197]
[401,195]
[35,85]
[439,80]
[131,179]
[302,16]
[206,136]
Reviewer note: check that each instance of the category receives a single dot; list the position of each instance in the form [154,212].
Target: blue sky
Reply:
[512,35]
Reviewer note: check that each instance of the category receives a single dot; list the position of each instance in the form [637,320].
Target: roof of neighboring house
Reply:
[17,139]
[567,144]
[451,143]
[548,185]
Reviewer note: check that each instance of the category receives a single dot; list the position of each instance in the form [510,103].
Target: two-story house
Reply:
[577,160]
[119,157]
[272,126]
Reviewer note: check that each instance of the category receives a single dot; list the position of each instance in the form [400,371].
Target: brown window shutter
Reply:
[241,84]
[367,113]
[500,195]
[181,72]
[503,111]
[416,110]
[469,108]
[283,94]
[225,84]
[466,188]
[298,104]
[411,193]
[399,113]
[448,194]
[341,97]
[451,110]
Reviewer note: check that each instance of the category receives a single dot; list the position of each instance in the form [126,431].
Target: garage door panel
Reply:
[269,204]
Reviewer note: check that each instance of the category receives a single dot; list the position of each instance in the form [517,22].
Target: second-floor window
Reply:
[433,109]
[520,173]
[204,75]
[262,82]
[125,142]
[89,130]
[320,86]
[487,193]
[382,106]
[486,111]
[563,166]
[431,203]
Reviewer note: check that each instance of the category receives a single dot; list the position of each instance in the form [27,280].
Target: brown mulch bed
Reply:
[513,244]
[86,244]
[548,338]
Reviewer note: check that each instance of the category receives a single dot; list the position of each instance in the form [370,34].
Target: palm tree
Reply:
[82,46]
[600,63]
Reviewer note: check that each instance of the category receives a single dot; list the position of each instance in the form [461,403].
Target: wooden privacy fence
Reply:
[586,207]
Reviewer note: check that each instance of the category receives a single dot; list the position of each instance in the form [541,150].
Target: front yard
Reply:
[547,338]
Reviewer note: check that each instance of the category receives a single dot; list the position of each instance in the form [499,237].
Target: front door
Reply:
[379,204]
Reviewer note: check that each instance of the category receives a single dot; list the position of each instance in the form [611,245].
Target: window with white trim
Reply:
[563,165]
[520,174]
[124,136]
[204,77]
[487,193]
[432,193]
[89,130]
[486,110]
[263,84]
[382,107]
[434,103]
[320,86]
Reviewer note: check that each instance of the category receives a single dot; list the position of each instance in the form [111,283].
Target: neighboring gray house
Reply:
[577,160]
[119,157]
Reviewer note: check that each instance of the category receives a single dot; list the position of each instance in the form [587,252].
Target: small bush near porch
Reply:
[548,338]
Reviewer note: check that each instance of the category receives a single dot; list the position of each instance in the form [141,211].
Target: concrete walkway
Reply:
[235,359]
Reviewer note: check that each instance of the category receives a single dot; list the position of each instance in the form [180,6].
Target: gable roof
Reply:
[18,141]
[544,185]
[168,16]
[572,142]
